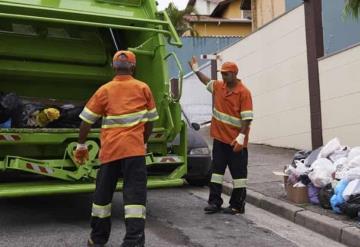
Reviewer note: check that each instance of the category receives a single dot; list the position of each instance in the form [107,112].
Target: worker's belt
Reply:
[217,178]
[135,211]
[239,183]
[128,120]
[101,211]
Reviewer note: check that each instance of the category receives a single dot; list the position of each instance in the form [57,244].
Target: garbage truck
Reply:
[59,52]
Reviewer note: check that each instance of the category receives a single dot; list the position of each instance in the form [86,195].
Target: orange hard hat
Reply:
[229,67]
[124,56]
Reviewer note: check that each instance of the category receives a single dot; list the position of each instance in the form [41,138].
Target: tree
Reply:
[177,18]
[352,7]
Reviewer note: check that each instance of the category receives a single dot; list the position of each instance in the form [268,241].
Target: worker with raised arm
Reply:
[230,126]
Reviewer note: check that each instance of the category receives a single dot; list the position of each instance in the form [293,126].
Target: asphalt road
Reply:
[174,218]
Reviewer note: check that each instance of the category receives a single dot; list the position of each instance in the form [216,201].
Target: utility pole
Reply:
[315,50]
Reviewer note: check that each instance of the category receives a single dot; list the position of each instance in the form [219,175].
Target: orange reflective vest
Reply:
[124,104]
[230,107]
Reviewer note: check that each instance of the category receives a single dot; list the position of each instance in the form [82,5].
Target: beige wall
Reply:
[233,10]
[226,29]
[340,96]
[273,64]
[267,11]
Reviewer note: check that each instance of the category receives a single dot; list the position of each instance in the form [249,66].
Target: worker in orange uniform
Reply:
[127,109]
[230,126]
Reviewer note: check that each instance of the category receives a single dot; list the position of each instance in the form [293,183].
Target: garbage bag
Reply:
[69,117]
[325,195]
[6,125]
[313,193]
[340,166]
[355,151]
[352,207]
[330,148]
[353,188]
[305,179]
[337,199]
[312,157]
[300,155]
[322,172]
[9,105]
[339,154]
[352,174]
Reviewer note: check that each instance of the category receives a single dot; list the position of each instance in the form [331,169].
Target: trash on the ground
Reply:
[337,199]
[330,175]
[313,193]
[298,194]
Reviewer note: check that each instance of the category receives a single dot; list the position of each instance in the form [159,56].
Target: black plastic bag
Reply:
[325,195]
[9,105]
[352,207]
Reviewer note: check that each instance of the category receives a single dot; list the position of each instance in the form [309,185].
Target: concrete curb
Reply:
[324,225]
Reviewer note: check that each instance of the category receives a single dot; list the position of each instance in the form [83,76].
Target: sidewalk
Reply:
[266,190]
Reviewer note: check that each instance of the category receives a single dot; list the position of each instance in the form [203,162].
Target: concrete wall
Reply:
[340,96]
[266,11]
[273,64]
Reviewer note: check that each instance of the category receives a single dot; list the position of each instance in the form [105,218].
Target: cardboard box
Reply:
[297,195]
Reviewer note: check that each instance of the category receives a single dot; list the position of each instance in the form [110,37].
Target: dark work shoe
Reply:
[212,208]
[234,211]
[90,243]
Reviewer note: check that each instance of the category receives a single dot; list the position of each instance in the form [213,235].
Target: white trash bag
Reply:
[330,148]
[353,188]
[321,174]
[354,152]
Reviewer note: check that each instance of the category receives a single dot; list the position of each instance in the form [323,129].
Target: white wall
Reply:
[340,96]
[204,7]
[273,64]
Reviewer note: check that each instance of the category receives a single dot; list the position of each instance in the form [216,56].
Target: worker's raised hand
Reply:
[81,153]
[194,64]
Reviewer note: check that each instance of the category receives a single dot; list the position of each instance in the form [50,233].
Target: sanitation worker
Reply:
[127,109]
[230,126]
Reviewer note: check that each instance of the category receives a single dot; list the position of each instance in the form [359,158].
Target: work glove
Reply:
[46,116]
[81,153]
[194,64]
[238,143]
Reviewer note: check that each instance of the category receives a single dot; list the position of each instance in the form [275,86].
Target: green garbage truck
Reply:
[58,52]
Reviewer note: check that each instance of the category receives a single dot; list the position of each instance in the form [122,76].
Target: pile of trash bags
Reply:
[19,113]
[332,176]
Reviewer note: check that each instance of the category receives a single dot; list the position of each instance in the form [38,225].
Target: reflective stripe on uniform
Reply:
[101,211]
[152,115]
[210,86]
[128,120]
[217,178]
[135,211]
[225,118]
[246,115]
[240,183]
[89,116]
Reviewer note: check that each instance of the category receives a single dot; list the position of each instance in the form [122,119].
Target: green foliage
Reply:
[352,8]
[177,18]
